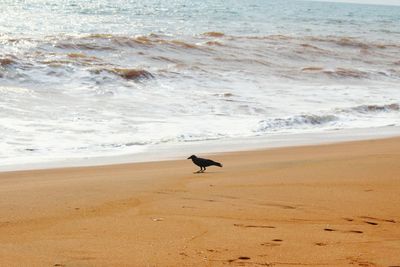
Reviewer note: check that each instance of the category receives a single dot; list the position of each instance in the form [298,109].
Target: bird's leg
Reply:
[199,171]
[204,168]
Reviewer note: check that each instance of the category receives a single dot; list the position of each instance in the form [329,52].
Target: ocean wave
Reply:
[372,108]
[128,74]
[273,37]
[338,72]
[352,42]
[298,121]
[305,121]
[213,34]
[346,73]
[6,61]
[114,42]
[215,53]
[324,45]
[194,137]
[312,47]
[82,56]
[68,60]
[111,42]
[132,74]
[340,41]
[107,41]
[214,43]
[166,59]
[72,44]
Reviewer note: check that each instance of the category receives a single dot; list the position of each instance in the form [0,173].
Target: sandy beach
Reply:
[324,205]
[102,102]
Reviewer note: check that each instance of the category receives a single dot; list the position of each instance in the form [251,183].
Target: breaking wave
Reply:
[214,34]
[132,74]
[373,108]
[277,56]
[305,121]
[6,61]
[337,73]
[299,121]
[114,42]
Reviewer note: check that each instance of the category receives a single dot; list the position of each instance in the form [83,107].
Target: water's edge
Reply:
[165,152]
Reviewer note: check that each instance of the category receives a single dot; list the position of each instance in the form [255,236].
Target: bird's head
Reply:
[192,157]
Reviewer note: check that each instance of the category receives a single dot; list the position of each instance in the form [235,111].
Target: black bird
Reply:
[203,163]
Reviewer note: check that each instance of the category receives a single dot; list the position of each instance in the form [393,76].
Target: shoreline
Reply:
[332,204]
[164,152]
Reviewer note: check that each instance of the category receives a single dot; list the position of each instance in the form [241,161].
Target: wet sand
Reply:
[325,205]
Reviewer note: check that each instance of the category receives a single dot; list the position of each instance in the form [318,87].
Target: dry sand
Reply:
[326,205]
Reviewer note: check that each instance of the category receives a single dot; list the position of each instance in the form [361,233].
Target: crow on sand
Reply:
[203,163]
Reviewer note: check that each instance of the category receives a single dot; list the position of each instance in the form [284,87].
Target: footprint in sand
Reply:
[361,262]
[239,258]
[377,219]
[355,231]
[275,243]
[351,231]
[370,218]
[253,226]
[371,223]
[188,207]
[320,244]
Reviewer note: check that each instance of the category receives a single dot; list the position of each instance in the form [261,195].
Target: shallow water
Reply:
[90,78]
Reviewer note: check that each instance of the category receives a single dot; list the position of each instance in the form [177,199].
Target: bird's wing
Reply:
[208,162]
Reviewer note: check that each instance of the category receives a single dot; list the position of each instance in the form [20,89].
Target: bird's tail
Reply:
[217,164]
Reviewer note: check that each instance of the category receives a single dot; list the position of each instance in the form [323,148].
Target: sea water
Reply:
[91,78]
